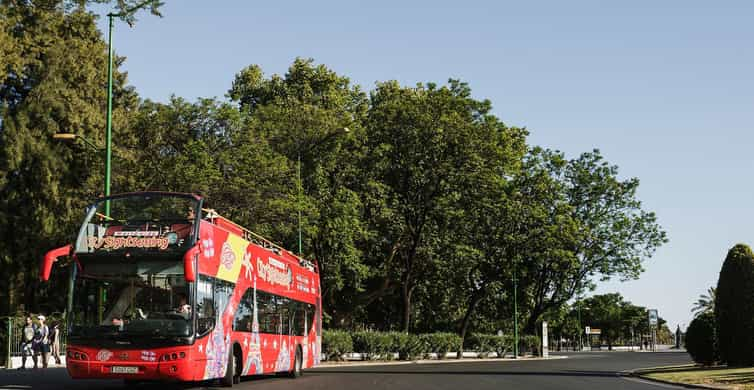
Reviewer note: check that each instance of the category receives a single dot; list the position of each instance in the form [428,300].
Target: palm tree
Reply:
[705,303]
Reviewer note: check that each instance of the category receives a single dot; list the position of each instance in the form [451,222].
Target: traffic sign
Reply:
[652,317]
[593,330]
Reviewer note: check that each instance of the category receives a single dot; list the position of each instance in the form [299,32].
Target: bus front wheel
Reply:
[230,377]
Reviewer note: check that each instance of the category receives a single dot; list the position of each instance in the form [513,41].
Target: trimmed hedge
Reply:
[700,339]
[409,346]
[529,343]
[384,345]
[336,343]
[441,343]
[373,344]
[484,344]
[734,307]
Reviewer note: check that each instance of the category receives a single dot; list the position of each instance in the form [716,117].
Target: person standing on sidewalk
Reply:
[55,343]
[42,342]
[27,342]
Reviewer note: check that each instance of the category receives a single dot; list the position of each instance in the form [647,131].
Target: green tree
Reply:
[423,146]
[304,114]
[611,234]
[734,307]
[52,83]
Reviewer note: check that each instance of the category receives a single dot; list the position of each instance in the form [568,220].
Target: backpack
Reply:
[29,332]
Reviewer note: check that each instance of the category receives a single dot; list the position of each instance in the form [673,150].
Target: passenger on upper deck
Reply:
[184,229]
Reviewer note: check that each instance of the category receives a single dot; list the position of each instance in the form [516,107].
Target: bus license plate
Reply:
[124,370]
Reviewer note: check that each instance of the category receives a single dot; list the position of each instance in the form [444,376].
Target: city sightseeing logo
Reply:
[104,355]
[112,242]
[275,272]
[228,257]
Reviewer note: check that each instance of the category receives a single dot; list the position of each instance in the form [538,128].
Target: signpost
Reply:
[589,331]
[652,314]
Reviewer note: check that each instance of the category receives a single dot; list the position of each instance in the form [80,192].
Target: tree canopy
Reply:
[419,203]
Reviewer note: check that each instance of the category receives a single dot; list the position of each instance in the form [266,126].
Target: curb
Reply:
[639,373]
[448,361]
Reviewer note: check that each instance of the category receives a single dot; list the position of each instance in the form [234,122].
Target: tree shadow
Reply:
[566,373]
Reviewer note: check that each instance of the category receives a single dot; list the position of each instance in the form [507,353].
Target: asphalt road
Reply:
[588,370]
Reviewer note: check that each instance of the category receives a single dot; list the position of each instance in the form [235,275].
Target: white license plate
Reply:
[124,370]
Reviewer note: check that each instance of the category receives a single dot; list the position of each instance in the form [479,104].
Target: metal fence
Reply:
[16,334]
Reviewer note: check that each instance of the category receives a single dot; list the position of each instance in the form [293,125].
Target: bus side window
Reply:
[283,315]
[243,316]
[266,312]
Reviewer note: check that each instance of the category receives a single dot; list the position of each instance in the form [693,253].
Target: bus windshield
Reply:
[144,299]
[147,223]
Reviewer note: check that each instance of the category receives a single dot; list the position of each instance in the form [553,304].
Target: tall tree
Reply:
[615,234]
[313,115]
[425,144]
[53,82]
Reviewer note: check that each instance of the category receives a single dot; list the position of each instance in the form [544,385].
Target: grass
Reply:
[720,377]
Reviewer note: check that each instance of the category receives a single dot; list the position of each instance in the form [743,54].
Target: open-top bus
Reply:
[163,289]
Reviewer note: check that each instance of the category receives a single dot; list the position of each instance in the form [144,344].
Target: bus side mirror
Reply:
[51,257]
[189,268]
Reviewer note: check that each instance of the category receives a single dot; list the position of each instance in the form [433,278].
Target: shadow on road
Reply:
[568,373]
[56,378]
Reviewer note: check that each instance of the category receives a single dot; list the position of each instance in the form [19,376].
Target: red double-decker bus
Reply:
[163,289]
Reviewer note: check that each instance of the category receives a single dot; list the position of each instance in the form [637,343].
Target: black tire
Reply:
[238,365]
[297,370]
[229,379]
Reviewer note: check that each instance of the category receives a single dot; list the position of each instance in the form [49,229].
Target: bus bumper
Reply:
[166,371]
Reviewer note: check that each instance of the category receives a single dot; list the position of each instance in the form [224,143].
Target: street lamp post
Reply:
[578,308]
[108,132]
[300,185]
[300,191]
[515,311]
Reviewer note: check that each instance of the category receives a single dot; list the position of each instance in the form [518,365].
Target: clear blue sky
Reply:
[664,89]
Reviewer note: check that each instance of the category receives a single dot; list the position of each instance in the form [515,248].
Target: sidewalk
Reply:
[16,362]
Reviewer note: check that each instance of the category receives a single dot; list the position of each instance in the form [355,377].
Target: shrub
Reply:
[441,343]
[373,344]
[408,346]
[484,344]
[529,343]
[481,344]
[502,344]
[336,343]
[734,307]
[700,338]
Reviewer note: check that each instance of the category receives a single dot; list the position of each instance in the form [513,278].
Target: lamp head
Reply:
[64,136]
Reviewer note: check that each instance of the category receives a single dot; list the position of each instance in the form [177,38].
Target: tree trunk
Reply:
[406,292]
[475,299]
[531,323]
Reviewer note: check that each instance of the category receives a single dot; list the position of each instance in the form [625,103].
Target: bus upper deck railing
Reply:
[257,239]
